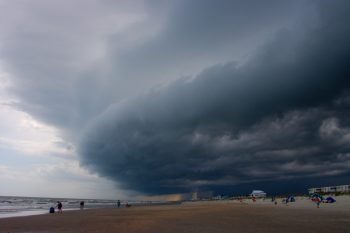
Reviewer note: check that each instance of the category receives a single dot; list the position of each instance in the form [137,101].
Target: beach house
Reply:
[331,189]
[258,193]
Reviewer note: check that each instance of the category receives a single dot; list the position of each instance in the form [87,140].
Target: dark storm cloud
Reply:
[196,35]
[68,65]
[280,116]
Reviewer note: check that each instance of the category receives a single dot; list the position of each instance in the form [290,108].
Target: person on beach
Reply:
[318,201]
[273,199]
[118,203]
[82,205]
[59,207]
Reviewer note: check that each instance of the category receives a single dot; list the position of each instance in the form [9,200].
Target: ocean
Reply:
[24,206]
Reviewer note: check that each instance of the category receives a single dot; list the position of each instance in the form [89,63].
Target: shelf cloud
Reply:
[168,97]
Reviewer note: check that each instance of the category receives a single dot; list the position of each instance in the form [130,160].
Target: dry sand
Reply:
[201,217]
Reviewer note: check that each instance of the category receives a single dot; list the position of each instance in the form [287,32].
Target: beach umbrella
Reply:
[315,195]
[330,200]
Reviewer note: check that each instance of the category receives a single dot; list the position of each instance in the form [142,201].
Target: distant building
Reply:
[331,189]
[258,193]
[194,196]
[203,195]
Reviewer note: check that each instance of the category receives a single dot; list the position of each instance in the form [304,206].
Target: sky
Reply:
[137,99]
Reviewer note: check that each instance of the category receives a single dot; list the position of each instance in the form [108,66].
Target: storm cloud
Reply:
[175,96]
[280,116]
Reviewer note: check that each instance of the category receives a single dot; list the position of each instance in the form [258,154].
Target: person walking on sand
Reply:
[59,207]
[318,202]
[118,203]
[82,205]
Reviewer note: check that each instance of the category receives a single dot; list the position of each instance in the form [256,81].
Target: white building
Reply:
[258,193]
[331,189]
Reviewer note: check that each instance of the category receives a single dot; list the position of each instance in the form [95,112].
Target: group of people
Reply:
[82,203]
[58,206]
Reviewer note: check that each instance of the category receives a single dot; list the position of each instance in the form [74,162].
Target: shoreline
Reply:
[201,216]
[302,202]
[26,213]
[34,212]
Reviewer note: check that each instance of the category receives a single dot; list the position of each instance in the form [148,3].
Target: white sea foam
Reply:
[23,206]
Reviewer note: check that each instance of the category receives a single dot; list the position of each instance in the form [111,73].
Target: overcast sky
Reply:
[120,99]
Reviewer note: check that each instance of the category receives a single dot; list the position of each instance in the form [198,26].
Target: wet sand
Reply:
[203,217]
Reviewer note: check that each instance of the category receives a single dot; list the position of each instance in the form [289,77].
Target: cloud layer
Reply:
[175,96]
[281,115]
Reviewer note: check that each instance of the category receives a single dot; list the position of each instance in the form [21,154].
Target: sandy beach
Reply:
[213,216]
